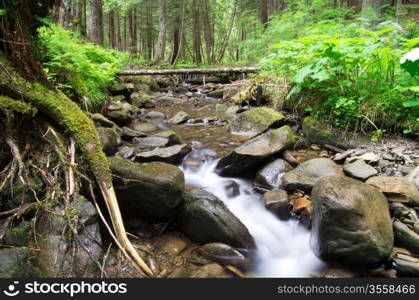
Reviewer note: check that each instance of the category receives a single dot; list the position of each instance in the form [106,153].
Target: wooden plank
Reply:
[190,71]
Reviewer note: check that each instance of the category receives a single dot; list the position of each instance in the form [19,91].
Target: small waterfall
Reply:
[283,248]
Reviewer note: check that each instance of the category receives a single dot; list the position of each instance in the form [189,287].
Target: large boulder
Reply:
[171,155]
[147,190]
[59,256]
[307,174]
[205,219]
[141,100]
[179,118]
[405,237]
[110,140]
[398,189]
[122,88]
[121,118]
[253,122]
[256,150]
[318,133]
[271,174]
[351,222]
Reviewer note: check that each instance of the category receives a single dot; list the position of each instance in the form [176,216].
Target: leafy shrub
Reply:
[81,70]
[355,75]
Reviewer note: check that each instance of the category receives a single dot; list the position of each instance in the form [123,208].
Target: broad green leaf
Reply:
[302,74]
[414,102]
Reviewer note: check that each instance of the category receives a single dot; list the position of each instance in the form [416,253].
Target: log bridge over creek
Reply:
[213,71]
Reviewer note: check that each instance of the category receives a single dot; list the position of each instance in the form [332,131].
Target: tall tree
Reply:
[264,12]
[161,41]
[96,22]
[149,30]
[112,29]
[196,23]
[178,27]
[208,31]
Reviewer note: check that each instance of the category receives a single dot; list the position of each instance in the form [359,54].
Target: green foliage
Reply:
[81,70]
[354,74]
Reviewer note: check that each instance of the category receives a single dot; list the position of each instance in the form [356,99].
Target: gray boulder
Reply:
[255,151]
[271,174]
[308,173]
[351,222]
[110,140]
[205,219]
[152,190]
[171,155]
[179,118]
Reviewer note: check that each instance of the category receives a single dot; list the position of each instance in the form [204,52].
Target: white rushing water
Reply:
[283,247]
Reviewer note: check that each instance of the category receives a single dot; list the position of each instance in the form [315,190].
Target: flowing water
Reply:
[283,248]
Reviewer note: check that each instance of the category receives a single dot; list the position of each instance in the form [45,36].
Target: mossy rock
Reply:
[255,121]
[153,190]
[141,100]
[110,140]
[101,120]
[318,133]
[121,118]
[124,89]
[17,263]
[18,236]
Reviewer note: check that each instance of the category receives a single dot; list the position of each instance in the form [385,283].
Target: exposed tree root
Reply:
[66,113]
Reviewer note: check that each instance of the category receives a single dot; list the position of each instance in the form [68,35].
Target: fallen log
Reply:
[190,71]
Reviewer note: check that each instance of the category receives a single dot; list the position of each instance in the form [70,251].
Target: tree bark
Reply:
[149,30]
[197,43]
[96,28]
[264,12]
[178,31]
[161,41]
[208,32]
[112,30]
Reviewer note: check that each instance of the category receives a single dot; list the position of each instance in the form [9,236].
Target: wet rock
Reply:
[232,188]
[318,133]
[189,94]
[166,100]
[121,118]
[171,244]
[225,255]
[124,89]
[232,110]
[255,121]
[210,271]
[179,118]
[351,222]
[144,127]
[173,137]
[278,203]
[397,189]
[303,209]
[151,142]
[359,170]
[181,90]
[142,100]
[405,237]
[297,157]
[129,134]
[17,263]
[307,174]
[131,109]
[56,243]
[109,139]
[172,154]
[101,120]
[406,265]
[271,174]
[155,115]
[255,151]
[126,152]
[152,190]
[205,218]
[413,177]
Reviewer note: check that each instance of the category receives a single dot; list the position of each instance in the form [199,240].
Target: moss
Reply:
[9,104]
[65,112]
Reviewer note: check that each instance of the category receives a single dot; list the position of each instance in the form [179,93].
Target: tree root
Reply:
[66,113]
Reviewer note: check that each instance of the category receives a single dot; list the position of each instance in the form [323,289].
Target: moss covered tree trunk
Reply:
[21,77]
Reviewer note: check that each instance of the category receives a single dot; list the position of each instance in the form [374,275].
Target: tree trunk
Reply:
[178,31]
[96,28]
[19,25]
[149,30]
[264,12]
[161,42]
[196,33]
[80,20]
[208,31]
[112,31]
